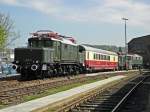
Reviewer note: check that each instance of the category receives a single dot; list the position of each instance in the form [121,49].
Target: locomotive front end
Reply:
[32,61]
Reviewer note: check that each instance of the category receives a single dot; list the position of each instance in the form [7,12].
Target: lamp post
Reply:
[126,49]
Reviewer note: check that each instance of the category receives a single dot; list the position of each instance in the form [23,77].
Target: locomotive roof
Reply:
[48,34]
[135,55]
[62,40]
[65,41]
[130,54]
[87,48]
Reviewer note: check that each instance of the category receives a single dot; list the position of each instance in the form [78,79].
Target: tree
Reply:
[6,27]
[2,36]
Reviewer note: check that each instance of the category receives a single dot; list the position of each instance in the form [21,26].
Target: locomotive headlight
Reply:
[17,61]
[14,67]
[36,61]
[34,67]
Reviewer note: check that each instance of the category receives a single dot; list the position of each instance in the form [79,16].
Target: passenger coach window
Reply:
[99,56]
[108,57]
[94,56]
[104,57]
[114,58]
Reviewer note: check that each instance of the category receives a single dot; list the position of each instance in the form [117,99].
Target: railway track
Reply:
[137,100]
[13,82]
[13,91]
[112,100]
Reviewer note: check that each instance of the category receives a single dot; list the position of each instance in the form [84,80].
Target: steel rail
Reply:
[75,103]
[126,97]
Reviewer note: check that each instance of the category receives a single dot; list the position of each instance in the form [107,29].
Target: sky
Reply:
[88,21]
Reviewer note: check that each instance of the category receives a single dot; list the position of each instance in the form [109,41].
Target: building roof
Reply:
[145,39]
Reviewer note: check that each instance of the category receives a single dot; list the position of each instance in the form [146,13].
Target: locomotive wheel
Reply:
[50,73]
[44,74]
[76,70]
[55,72]
[60,70]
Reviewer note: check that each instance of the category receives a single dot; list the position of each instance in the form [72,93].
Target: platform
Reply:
[8,75]
[109,72]
[42,102]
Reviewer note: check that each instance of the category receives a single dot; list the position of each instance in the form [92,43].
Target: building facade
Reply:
[140,46]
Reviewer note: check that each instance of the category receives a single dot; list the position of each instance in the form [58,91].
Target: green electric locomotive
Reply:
[129,61]
[47,54]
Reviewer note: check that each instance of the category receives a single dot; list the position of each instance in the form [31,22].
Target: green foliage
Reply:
[6,26]
[59,89]
[3,37]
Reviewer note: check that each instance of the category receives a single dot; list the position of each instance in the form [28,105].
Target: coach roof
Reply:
[87,48]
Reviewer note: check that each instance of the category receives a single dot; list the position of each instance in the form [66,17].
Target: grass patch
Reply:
[58,89]
[2,106]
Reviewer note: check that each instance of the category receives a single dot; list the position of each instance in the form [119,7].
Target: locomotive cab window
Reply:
[48,43]
[40,43]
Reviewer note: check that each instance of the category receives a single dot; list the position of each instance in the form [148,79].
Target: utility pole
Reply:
[126,46]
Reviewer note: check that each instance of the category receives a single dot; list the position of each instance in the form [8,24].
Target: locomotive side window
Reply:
[65,46]
[40,44]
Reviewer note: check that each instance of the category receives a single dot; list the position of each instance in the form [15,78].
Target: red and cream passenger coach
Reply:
[98,59]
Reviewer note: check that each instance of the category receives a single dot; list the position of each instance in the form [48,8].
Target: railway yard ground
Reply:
[61,94]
